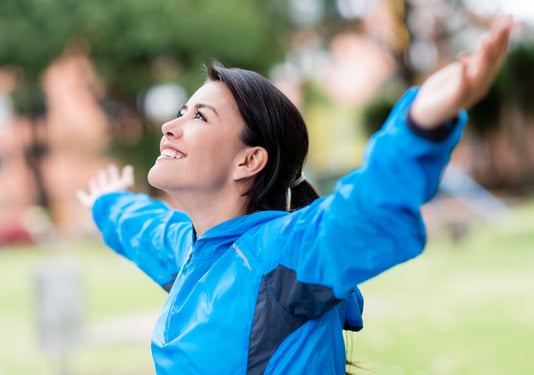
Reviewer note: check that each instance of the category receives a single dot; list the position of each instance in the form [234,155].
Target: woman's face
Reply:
[199,149]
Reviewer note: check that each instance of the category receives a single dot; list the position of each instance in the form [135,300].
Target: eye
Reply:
[181,112]
[199,116]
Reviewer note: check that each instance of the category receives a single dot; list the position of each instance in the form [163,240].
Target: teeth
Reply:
[168,153]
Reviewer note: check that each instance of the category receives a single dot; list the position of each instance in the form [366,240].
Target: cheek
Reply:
[219,150]
[215,160]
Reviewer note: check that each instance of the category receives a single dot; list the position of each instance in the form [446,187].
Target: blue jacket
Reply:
[270,292]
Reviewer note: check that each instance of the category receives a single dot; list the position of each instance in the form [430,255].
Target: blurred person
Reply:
[261,271]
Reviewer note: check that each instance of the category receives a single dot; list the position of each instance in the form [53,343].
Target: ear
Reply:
[250,162]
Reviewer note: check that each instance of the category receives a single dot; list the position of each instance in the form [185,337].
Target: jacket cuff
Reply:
[437,134]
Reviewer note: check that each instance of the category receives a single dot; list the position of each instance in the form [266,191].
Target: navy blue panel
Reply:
[167,287]
[284,304]
[353,320]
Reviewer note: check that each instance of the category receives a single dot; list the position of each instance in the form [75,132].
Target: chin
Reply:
[160,178]
[153,177]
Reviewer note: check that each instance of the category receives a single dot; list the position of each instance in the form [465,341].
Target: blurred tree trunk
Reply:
[34,154]
[30,102]
[516,123]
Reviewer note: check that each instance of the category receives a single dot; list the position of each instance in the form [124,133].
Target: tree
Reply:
[134,44]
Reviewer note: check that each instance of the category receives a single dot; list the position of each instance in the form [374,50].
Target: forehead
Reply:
[215,94]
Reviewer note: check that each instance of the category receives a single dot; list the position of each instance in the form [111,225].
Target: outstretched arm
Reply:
[373,221]
[148,232]
[461,84]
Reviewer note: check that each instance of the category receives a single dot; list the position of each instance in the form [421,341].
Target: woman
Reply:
[261,273]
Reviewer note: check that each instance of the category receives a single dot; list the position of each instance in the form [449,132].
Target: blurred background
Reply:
[85,84]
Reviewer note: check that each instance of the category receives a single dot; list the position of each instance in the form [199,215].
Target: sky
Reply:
[522,10]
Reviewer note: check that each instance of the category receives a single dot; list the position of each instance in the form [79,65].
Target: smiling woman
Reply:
[262,273]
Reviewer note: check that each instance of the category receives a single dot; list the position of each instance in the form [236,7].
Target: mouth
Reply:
[169,153]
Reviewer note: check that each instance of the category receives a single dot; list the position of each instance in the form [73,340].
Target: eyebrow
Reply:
[203,105]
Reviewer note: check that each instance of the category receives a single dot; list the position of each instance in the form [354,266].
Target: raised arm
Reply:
[373,221]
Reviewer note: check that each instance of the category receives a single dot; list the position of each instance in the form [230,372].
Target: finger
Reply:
[93,187]
[478,79]
[490,61]
[84,198]
[464,91]
[102,179]
[496,44]
[113,173]
[127,176]
[485,63]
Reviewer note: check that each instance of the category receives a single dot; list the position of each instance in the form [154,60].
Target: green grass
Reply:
[460,308]
[120,306]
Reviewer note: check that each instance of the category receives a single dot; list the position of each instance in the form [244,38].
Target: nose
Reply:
[172,129]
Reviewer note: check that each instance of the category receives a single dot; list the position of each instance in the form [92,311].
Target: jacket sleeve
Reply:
[372,221]
[148,232]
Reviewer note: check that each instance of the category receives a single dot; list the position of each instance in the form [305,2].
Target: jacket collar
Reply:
[221,236]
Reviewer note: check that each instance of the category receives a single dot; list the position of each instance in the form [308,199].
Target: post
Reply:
[59,310]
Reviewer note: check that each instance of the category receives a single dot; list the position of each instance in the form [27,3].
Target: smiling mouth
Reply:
[171,154]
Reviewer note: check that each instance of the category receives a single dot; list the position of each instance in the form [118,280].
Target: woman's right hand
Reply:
[107,180]
[461,84]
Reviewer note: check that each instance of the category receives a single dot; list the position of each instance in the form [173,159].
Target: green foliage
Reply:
[32,33]
[520,76]
[128,40]
[376,113]
[484,115]
[30,100]
[513,84]
[142,153]
[125,37]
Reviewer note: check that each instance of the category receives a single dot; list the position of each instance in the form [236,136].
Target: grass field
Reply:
[120,306]
[461,308]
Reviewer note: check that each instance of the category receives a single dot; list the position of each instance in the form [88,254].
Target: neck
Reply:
[208,210]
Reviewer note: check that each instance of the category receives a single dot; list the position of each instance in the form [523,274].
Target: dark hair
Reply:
[273,122]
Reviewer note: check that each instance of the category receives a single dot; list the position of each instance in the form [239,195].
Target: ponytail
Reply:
[300,194]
